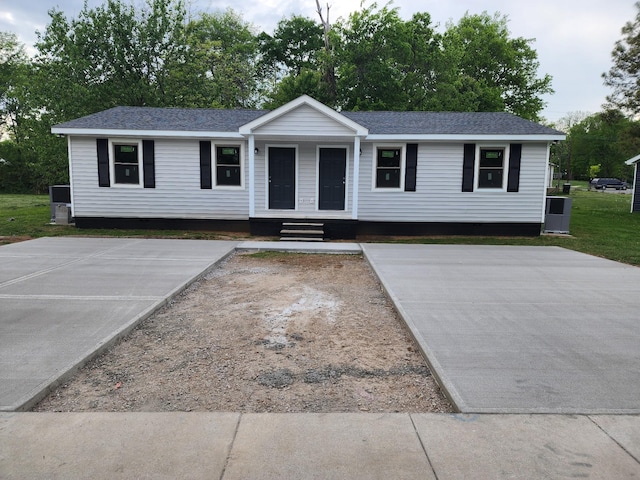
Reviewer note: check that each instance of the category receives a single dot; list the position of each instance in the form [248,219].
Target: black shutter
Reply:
[411,168]
[148,162]
[515,154]
[205,164]
[468,167]
[102,145]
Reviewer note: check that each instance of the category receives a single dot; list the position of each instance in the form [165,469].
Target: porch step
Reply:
[302,232]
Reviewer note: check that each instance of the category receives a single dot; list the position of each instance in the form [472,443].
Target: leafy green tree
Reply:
[13,70]
[110,55]
[294,58]
[602,139]
[294,46]
[624,75]
[373,51]
[223,69]
[488,70]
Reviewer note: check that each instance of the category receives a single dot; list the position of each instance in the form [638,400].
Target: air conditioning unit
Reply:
[60,195]
[557,215]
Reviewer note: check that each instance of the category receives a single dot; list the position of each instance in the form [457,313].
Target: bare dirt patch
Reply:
[264,333]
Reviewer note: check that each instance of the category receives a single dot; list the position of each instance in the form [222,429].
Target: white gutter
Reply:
[465,137]
[144,133]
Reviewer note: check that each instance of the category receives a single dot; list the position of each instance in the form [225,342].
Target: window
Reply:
[388,167]
[491,168]
[126,163]
[228,169]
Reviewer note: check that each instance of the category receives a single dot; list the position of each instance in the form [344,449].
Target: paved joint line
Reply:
[233,441]
[613,439]
[64,264]
[126,298]
[424,449]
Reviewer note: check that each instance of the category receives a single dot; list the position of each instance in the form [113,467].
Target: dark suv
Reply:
[604,183]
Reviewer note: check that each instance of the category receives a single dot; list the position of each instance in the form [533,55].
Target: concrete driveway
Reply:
[506,329]
[513,329]
[63,299]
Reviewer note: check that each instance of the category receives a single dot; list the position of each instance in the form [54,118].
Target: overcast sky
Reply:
[573,38]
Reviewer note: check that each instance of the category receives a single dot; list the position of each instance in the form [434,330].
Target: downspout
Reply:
[546,182]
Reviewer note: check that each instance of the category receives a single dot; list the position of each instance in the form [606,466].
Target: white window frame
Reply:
[214,166]
[346,176]
[505,167]
[403,163]
[112,159]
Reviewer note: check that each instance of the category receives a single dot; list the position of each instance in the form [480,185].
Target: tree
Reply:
[13,68]
[110,55]
[294,46]
[378,59]
[224,60]
[602,139]
[294,58]
[624,75]
[489,70]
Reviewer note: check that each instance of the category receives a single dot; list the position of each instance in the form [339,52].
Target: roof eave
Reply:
[144,133]
[467,137]
[633,160]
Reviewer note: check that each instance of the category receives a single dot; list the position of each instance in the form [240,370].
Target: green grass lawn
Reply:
[600,225]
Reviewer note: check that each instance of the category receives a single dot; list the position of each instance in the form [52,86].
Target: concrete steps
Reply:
[302,232]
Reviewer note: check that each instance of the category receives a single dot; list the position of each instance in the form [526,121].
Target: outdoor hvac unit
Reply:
[60,200]
[557,215]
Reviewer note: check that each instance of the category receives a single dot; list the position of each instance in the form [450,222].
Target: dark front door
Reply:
[332,178]
[282,178]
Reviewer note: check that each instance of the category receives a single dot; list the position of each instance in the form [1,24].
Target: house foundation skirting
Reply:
[412,229]
[333,229]
[239,226]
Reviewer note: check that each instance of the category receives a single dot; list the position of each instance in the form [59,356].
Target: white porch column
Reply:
[252,176]
[356,177]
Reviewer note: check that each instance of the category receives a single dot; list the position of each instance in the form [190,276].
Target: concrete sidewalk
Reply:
[553,316]
[511,329]
[232,446]
[64,299]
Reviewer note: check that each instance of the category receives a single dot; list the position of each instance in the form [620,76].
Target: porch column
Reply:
[252,176]
[356,177]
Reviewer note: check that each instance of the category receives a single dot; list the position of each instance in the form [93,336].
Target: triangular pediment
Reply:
[304,116]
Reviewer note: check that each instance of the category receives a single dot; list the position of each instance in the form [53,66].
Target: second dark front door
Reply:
[332,178]
[282,178]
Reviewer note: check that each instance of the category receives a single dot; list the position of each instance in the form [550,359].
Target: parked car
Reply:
[604,183]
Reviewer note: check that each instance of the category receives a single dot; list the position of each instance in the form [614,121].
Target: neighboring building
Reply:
[635,202]
[402,173]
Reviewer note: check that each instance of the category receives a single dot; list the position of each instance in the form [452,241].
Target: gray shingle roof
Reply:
[166,119]
[448,123]
[378,123]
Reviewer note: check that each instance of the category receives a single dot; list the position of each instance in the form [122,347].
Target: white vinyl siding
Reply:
[304,120]
[439,197]
[307,186]
[177,193]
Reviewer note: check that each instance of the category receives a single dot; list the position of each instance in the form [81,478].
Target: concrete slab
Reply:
[111,446]
[512,329]
[304,247]
[623,429]
[64,299]
[327,446]
[521,447]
